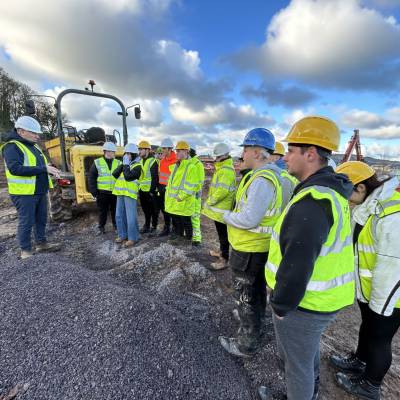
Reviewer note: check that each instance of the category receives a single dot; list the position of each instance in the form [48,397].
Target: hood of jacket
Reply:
[327,177]
[371,205]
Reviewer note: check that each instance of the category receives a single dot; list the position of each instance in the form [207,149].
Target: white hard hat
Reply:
[331,163]
[167,142]
[109,146]
[193,146]
[131,148]
[220,149]
[29,124]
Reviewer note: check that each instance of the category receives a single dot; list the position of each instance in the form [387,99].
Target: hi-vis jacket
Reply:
[105,179]
[377,250]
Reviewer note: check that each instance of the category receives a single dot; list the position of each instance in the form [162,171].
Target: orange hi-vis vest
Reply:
[164,171]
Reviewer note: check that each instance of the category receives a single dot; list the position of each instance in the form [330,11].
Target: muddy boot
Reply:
[351,363]
[46,247]
[119,240]
[214,253]
[153,232]
[164,232]
[144,229]
[26,254]
[219,265]
[231,345]
[358,386]
[264,393]
[128,244]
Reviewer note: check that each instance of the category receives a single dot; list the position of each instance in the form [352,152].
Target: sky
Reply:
[209,71]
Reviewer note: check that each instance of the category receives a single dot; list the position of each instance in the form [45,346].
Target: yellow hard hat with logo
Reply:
[315,130]
[144,144]
[182,145]
[279,149]
[357,171]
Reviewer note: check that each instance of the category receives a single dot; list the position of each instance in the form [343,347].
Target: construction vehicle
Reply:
[354,142]
[73,153]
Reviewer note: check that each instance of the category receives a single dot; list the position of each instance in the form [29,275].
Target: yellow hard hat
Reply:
[279,149]
[357,171]
[314,130]
[144,144]
[182,145]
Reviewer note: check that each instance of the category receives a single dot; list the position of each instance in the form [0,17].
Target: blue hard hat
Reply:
[259,137]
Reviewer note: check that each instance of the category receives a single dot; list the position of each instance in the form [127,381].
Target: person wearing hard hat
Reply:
[148,188]
[310,268]
[376,217]
[159,154]
[200,176]
[258,203]
[167,160]
[101,184]
[289,182]
[27,173]
[180,196]
[220,200]
[126,189]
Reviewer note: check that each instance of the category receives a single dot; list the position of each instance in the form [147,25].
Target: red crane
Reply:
[354,142]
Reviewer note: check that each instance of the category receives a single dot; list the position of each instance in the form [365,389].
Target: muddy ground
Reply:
[178,279]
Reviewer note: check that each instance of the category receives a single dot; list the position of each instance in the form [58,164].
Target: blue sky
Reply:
[208,71]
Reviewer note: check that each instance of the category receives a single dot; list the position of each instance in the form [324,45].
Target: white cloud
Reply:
[379,150]
[334,43]
[363,119]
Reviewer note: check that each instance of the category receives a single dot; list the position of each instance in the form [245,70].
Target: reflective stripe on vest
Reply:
[366,250]
[256,239]
[145,177]
[24,185]
[125,188]
[105,179]
[331,286]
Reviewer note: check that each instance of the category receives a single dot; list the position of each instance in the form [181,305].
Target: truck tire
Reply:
[60,209]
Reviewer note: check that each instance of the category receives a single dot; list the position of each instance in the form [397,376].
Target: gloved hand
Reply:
[126,160]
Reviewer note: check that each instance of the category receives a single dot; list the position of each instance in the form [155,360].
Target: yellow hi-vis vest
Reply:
[199,174]
[24,185]
[332,285]
[125,188]
[181,185]
[365,246]
[105,179]
[222,191]
[256,240]
[145,177]
[289,177]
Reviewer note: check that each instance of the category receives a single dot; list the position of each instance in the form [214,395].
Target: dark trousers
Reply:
[32,213]
[222,231]
[161,206]
[182,226]
[149,207]
[375,341]
[106,203]
[250,295]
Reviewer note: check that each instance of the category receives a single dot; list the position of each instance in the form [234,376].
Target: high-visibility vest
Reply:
[365,246]
[105,179]
[164,171]
[222,191]
[199,174]
[127,188]
[331,286]
[182,185]
[289,177]
[24,185]
[145,177]
[256,240]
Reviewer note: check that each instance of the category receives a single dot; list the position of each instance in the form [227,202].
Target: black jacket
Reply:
[14,159]
[304,230]
[129,174]
[93,174]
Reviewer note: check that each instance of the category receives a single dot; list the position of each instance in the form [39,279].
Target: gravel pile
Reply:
[72,333]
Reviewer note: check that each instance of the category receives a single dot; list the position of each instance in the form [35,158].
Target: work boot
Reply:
[144,229]
[119,240]
[47,247]
[351,363]
[358,386]
[128,244]
[264,393]
[153,232]
[101,231]
[214,253]
[164,232]
[231,345]
[196,244]
[26,254]
[219,265]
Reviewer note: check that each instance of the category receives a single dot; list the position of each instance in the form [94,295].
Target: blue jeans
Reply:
[32,212]
[126,218]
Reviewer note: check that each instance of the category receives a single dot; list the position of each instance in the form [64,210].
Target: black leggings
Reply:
[375,341]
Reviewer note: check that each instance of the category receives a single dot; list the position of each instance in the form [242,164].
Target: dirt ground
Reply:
[162,268]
